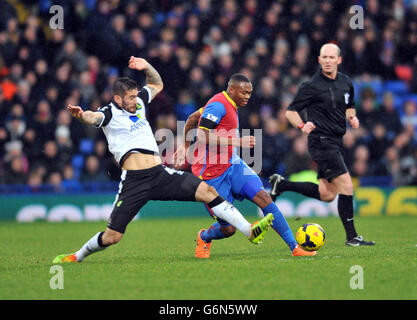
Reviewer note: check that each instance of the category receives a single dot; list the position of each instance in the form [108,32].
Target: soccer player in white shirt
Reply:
[143,177]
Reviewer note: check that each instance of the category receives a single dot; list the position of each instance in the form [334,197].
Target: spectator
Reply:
[408,171]
[378,143]
[64,143]
[16,164]
[92,171]
[360,169]
[55,182]
[43,122]
[298,159]
[16,123]
[185,105]
[35,181]
[389,116]
[359,60]
[50,158]
[266,98]
[366,113]
[389,165]
[69,182]
[108,163]
[410,115]
[274,147]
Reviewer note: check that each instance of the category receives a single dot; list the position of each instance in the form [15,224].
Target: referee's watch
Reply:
[301,125]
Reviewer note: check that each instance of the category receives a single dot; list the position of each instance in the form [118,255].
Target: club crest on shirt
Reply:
[347,98]
[138,106]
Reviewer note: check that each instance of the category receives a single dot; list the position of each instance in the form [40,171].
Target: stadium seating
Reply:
[396,87]
[86,146]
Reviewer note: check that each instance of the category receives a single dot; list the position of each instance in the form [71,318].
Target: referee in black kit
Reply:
[328,100]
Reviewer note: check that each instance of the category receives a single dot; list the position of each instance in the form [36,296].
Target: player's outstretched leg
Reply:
[280,224]
[95,244]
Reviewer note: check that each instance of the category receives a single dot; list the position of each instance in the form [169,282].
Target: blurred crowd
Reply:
[195,46]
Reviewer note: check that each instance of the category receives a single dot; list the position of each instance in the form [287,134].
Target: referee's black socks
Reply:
[345,209]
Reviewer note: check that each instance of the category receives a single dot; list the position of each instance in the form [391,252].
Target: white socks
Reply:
[89,247]
[228,212]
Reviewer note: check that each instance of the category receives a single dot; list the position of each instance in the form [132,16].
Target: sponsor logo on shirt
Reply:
[138,123]
[212,117]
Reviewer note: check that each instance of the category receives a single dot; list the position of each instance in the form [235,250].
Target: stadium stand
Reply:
[196,46]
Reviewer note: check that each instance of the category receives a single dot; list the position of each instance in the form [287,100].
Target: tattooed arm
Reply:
[87,117]
[153,79]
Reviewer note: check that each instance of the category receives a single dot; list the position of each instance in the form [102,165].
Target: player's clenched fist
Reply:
[138,63]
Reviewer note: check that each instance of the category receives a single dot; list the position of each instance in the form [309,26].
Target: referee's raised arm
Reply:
[153,79]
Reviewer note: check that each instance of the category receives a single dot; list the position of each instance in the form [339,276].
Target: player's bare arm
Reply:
[295,119]
[208,137]
[191,123]
[153,79]
[352,118]
[87,117]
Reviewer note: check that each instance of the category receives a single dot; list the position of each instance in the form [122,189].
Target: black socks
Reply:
[345,209]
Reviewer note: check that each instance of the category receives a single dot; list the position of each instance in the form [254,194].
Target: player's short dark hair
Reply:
[123,84]
[238,77]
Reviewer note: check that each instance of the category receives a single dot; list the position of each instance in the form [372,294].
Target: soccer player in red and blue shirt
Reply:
[216,162]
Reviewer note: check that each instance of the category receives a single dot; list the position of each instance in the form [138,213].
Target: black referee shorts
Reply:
[137,187]
[327,152]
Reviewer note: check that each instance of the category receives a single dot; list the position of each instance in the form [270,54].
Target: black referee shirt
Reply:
[326,101]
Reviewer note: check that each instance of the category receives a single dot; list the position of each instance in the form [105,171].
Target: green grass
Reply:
[155,260]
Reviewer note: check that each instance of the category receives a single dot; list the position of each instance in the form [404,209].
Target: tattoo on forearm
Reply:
[98,118]
[152,76]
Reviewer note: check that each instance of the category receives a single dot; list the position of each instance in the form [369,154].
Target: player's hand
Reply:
[308,127]
[354,122]
[75,111]
[138,63]
[247,141]
[178,158]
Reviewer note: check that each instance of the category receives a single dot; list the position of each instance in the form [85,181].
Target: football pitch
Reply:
[155,261]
